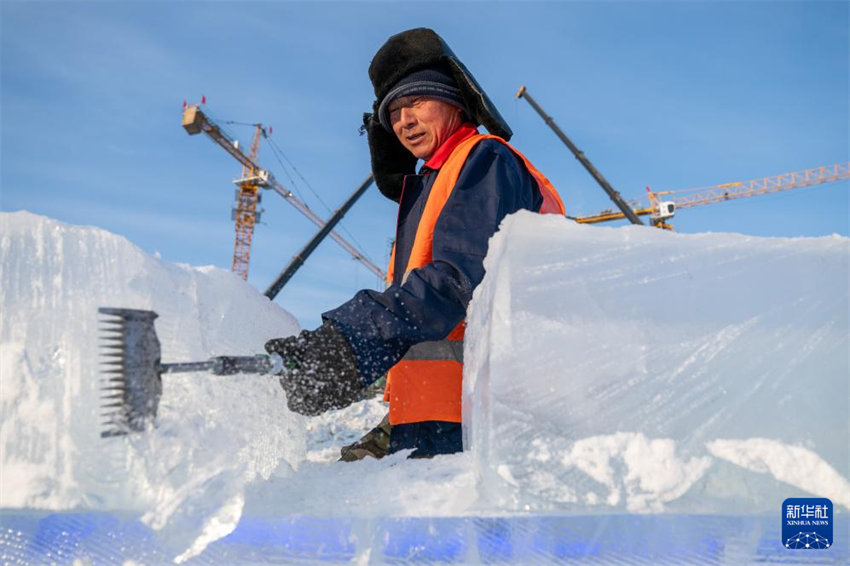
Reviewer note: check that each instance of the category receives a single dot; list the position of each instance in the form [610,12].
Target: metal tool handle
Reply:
[185,367]
[230,365]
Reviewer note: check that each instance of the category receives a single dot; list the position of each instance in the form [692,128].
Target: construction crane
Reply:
[663,205]
[253,178]
[625,209]
[299,258]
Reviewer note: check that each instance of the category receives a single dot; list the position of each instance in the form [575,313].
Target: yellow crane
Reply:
[253,178]
[662,209]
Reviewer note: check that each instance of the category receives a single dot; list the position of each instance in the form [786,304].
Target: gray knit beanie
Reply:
[432,82]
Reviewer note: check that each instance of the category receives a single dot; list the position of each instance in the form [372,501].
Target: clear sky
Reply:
[670,95]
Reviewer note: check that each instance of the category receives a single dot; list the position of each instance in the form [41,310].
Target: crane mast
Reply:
[195,122]
[245,212]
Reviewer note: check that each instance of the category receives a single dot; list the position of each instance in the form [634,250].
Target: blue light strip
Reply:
[107,538]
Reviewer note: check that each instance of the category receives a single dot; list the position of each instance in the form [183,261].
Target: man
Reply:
[427,107]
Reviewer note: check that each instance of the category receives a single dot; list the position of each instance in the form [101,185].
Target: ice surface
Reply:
[609,371]
[215,435]
[643,371]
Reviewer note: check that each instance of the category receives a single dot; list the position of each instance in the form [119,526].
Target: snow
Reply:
[623,370]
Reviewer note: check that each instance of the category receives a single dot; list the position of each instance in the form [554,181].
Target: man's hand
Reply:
[319,370]
[390,160]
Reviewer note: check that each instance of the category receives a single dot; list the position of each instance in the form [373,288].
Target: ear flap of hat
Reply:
[483,110]
[419,48]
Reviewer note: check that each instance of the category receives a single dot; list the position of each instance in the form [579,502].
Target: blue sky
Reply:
[670,95]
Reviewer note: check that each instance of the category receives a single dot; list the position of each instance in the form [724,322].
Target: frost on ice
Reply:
[623,369]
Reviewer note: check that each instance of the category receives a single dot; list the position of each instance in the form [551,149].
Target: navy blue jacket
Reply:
[382,325]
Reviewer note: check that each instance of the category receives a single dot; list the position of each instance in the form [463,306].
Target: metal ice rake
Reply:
[131,372]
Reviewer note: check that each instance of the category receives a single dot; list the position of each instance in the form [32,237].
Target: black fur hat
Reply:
[420,48]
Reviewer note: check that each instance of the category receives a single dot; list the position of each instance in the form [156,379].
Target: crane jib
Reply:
[195,121]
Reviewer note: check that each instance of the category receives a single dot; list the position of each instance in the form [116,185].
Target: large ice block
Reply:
[215,435]
[643,370]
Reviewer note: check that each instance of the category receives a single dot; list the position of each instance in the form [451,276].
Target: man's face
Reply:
[422,124]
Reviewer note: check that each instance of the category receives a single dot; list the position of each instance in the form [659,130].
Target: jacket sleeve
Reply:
[432,300]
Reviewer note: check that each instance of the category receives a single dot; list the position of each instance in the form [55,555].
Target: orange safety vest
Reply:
[425,385]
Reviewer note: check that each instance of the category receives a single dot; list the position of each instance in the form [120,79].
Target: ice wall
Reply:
[641,370]
[608,370]
[215,434]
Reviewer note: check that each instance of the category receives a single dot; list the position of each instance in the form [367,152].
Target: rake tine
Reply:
[114,390]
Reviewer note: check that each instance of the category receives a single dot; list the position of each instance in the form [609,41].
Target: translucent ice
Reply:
[215,435]
[621,371]
[646,370]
